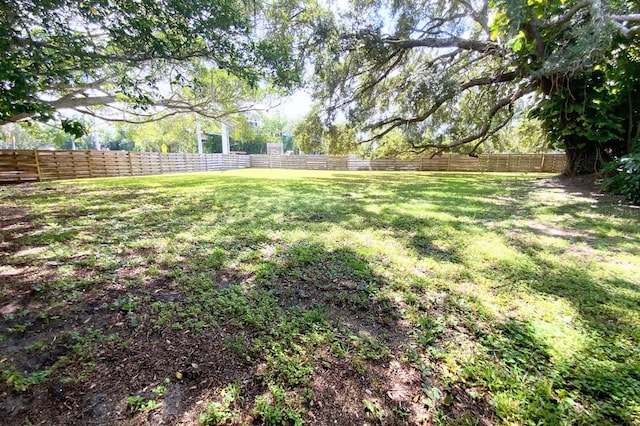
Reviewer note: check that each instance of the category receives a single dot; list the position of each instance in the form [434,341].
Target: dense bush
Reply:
[623,176]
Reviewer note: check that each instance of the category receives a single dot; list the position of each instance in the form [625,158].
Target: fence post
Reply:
[35,155]
[130,165]
[89,160]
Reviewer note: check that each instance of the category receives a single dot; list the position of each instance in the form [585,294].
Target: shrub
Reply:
[623,176]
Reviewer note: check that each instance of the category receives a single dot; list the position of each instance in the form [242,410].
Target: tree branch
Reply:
[452,42]
[485,130]
[482,134]
[399,121]
[627,32]
[62,103]
[490,133]
[626,18]
[371,84]
[172,106]
[566,17]
[617,20]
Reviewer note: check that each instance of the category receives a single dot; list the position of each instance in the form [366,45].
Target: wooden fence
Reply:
[551,163]
[34,165]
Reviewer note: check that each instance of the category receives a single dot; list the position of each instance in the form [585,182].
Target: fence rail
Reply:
[34,165]
[551,163]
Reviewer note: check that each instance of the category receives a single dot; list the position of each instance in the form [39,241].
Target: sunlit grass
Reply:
[501,293]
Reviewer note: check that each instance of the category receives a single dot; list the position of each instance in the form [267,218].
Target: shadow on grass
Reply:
[299,316]
[606,371]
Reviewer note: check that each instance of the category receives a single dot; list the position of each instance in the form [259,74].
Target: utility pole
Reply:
[96,140]
[198,133]
[226,149]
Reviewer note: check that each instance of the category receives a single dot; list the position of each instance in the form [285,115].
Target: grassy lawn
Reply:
[282,297]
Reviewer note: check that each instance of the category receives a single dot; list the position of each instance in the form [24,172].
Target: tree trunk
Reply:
[583,156]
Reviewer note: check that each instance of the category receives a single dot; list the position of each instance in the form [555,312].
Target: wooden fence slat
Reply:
[449,162]
[34,165]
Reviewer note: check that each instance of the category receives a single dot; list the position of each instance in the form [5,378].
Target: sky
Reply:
[294,107]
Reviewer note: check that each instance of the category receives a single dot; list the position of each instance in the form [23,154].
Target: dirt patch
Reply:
[584,186]
[105,359]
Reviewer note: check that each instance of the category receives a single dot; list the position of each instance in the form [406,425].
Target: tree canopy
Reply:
[434,75]
[137,55]
[448,73]
[312,136]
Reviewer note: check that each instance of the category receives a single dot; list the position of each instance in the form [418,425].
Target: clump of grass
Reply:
[522,299]
[279,407]
[218,413]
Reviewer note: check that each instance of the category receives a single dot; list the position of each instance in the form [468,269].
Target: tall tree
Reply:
[177,133]
[311,135]
[137,55]
[596,115]
[447,73]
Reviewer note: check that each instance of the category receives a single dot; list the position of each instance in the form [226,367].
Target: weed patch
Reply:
[291,297]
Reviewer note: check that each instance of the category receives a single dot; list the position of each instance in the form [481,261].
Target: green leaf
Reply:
[74,128]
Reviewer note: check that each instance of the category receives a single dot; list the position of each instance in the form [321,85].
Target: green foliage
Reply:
[121,139]
[125,52]
[593,115]
[218,413]
[584,116]
[393,144]
[524,136]
[125,304]
[278,408]
[251,134]
[14,136]
[377,413]
[177,132]
[428,330]
[309,131]
[622,176]
[20,383]
[425,77]
[161,389]
[291,369]
[312,136]
[138,403]
[340,140]
[29,135]
[236,344]
[73,128]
